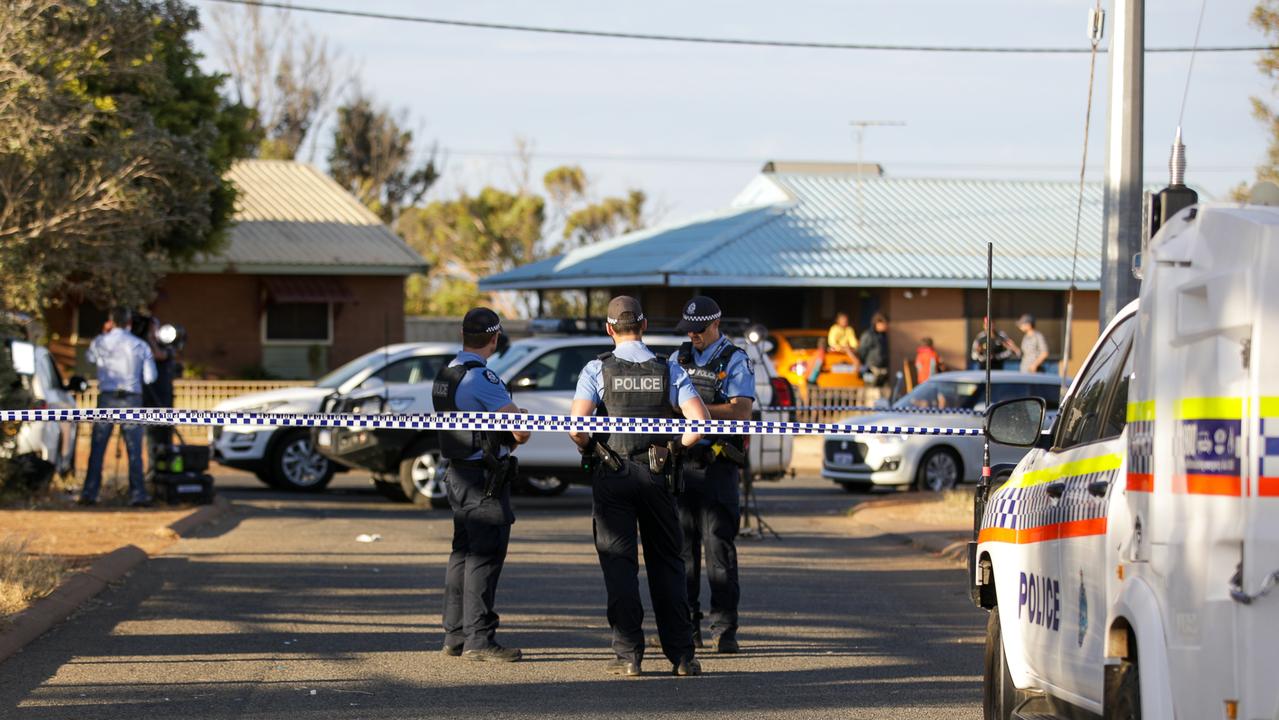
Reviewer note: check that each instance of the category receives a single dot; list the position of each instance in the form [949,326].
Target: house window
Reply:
[298,323]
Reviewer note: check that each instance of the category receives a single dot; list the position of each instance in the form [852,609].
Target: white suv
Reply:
[541,373]
[285,457]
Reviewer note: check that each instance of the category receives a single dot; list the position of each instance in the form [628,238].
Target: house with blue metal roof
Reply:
[803,241]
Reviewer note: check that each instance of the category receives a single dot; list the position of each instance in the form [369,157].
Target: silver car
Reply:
[932,462]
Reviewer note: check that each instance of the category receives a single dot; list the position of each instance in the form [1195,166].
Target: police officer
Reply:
[710,511]
[634,484]
[479,476]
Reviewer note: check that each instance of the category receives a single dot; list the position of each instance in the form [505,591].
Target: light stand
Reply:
[755,335]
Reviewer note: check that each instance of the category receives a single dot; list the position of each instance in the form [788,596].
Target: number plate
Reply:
[324,437]
[843,458]
[842,368]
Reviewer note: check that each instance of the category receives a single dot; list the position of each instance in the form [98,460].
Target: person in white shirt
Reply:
[125,364]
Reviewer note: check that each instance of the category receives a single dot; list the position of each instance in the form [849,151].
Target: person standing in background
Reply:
[125,365]
[873,352]
[1034,346]
[841,337]
[927,361]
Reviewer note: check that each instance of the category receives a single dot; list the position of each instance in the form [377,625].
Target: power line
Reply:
[714,40]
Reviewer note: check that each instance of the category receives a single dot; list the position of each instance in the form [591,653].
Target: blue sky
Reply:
[1002,116]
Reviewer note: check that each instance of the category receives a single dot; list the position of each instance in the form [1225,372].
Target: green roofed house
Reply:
[803,241]
[309,279]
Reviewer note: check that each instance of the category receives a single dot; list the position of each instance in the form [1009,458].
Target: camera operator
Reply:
[165,341]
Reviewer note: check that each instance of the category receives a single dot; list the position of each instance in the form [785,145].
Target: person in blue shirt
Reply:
[480,470]
[125,365]
[633,382]
[710,511]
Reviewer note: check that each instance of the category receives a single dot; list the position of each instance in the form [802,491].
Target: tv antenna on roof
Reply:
[860,126]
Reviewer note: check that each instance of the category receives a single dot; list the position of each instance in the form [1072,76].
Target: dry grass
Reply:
[24,577]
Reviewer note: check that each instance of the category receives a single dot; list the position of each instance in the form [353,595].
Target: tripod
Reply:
[750,508]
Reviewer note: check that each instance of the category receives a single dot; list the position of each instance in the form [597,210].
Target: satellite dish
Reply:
[1264,193]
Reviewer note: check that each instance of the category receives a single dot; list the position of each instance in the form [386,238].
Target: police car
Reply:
[541,373]
[1129,560]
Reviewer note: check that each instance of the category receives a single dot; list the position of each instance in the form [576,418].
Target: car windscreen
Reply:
[944,394]
[803,342]
[516,352]
[345,372]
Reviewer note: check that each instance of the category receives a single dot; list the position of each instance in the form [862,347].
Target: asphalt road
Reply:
[277,612]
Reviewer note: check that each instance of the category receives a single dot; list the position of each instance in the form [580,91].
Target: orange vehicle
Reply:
[793,354]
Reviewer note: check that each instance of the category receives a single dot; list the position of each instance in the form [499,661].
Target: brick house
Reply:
[310,278]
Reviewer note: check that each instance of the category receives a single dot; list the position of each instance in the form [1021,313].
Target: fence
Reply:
[202,395]
[862,397]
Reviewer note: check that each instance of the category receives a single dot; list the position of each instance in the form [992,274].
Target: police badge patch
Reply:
[492,377]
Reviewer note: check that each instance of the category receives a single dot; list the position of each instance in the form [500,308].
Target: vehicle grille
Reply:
[834,447]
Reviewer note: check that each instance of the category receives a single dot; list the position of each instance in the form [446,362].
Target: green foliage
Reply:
[608,218]
[372,157]
[115,143]
[466,238]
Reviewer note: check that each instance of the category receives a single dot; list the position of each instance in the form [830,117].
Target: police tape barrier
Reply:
[515,422]
[870,409]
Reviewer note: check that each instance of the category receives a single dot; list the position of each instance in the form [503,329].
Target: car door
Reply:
[544,385]
[1091,437]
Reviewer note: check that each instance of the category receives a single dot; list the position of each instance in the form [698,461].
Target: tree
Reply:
[285,72]
[1265,17]
[463,240]
[607,218]
[372,157]
[114,145]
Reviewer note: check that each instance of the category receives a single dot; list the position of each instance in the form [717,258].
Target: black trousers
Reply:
[481,534]
[623,501]
[710,514]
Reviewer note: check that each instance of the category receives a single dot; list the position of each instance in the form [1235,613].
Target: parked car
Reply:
[932,462]
[793,352]
[541,373]
[48,442]
[285,457]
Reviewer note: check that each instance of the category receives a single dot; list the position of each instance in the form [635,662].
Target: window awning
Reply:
[307,290]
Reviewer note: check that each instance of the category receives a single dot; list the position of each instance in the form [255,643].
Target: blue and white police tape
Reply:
[871,409]
[515,422]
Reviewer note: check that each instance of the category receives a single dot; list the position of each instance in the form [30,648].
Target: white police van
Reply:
[1129,559]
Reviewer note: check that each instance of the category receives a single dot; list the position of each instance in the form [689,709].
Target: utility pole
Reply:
[1122,203]
[860,126]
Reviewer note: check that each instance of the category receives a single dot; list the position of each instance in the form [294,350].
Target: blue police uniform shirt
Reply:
[481,390]
[591,381]
[739,376]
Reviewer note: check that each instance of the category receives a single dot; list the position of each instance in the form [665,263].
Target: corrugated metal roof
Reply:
[901,232]
[293,219]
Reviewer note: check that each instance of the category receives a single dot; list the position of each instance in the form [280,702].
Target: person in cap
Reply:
[710,511]
[479,475]
[634,484]
[1034,346]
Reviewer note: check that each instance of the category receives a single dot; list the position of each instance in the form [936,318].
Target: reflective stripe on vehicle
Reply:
[1209,447]
[1022,512]
[1268,472]
[1101,463]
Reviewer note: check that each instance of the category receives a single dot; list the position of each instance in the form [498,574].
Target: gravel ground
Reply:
[277,612]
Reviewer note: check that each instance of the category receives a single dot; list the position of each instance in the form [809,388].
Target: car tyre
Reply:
[999,695]
[1123,693]
[543,486]
[421,480]
[295,464]
[939,470]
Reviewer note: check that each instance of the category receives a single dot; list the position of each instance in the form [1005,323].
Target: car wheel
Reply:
[999,695]
[939,470]
[422,480]
[1123,693]
[543,486]
[295,465]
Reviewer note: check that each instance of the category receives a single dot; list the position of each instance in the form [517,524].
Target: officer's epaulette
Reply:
[604,356]
[686,353]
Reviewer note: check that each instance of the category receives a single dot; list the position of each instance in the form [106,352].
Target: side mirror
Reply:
[1015,422]
[77,384]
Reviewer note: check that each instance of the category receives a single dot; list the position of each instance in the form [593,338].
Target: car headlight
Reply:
[265,407]
[885,441]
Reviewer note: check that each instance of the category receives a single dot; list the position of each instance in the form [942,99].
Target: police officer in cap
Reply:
[480,471]
[634,483]
[710,511]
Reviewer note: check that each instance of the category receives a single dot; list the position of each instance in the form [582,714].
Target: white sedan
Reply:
[932,462]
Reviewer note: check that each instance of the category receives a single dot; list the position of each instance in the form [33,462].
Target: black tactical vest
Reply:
[635,389]
[455,444]
[708,379]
